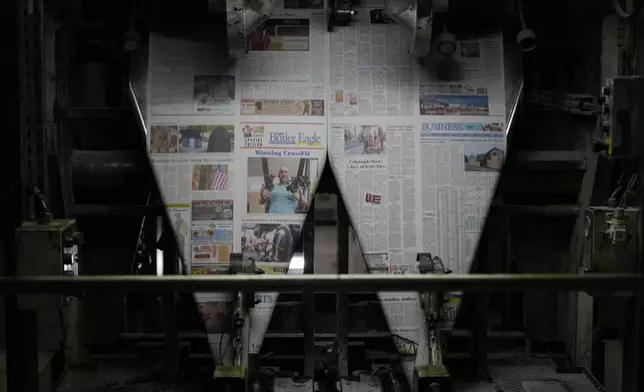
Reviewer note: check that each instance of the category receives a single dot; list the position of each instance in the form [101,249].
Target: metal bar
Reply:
[116,210]
[517,210]
[342,300]
[308,298]
[324,283]
[172,347]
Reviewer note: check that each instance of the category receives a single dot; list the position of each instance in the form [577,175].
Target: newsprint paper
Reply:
[238,149]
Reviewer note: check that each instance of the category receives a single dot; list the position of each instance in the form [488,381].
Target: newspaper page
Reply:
[284,71]
[216,311]
[237,177]
[189,77]
[420,182]
[461,165]
[470,83]
[371,73]
[375,161]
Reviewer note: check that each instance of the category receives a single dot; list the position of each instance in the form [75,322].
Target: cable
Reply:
[221,340]
[631,185]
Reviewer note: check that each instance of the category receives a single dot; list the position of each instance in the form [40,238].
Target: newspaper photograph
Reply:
[282,107]
[364,139]
[280,185]
[212,210]
[270,242]
[214,94]
[164,139]
[280,34]
[432,103]
[484,157]
[210,177]
[211,244]
[206,138]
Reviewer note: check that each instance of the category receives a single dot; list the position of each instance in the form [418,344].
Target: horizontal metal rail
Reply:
[323,283]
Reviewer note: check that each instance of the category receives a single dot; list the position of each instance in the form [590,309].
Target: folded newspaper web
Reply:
[379,177]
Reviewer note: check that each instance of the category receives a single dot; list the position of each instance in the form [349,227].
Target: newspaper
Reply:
[420,181]
[470,83]
[216,311]
[416,148]
[462,163]
[237,150]
[369,73]
[284,72]
[188,77]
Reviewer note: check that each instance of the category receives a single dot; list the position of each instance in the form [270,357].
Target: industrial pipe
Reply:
[324,283]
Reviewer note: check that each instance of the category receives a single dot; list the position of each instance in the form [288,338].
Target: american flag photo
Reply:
[210,178]
[220,180]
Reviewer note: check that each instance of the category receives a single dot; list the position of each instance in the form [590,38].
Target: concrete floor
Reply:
[515,375]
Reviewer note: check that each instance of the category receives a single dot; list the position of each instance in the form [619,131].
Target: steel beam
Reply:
[324,283]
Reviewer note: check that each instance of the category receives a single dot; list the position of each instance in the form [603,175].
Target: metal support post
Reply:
[342,304]
[308,242]
[171,361]
[479,333]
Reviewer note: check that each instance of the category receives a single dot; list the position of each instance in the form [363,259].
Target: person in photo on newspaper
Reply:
[374,142]
[307,108]
[258,39]
[283,199]
[219,140]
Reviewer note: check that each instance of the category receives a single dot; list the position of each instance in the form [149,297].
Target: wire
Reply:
[221,340]
[631,185]
[221,356]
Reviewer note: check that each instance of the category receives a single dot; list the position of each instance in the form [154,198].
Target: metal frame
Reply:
[603,283]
